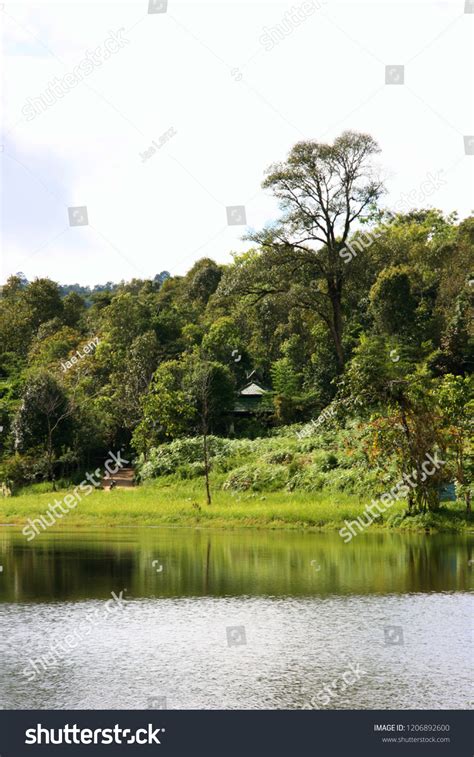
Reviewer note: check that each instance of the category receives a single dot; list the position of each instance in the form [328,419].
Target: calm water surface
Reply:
[384,621]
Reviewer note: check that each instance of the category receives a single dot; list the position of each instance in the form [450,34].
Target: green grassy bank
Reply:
[281,481]
[182,503]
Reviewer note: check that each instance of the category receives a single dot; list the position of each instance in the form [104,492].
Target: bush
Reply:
[192,470]
[257,478]
[333,460]
[175,457]
[20,470]
[169,457]
[277,458]
[323,461]
[309,479]
[345,480]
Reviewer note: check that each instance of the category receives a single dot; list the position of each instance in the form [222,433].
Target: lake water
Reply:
[234,619]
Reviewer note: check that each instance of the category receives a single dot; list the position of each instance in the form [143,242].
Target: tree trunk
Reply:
[206,466]
[336,327]
[50,452]
[462,480]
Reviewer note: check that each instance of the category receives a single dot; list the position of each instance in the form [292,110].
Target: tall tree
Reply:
[42,413]
[323,190]
[191,394]
[44,301]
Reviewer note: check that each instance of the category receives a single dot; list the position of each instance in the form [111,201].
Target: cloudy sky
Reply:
[157,122]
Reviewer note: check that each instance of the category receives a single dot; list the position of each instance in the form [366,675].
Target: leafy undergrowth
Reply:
[450,518]
[331,461]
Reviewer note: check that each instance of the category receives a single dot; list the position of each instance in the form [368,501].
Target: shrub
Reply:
[277,458]
[169,457]
[309,479]
[21,470]
[257,478]
[333,460]
[192,470]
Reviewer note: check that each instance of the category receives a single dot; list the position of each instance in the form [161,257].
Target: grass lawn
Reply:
[168,502]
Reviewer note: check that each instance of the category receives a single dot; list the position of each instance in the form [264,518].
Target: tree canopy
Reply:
[384,335]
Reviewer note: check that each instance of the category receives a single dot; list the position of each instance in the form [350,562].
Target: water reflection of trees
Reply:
[198,562]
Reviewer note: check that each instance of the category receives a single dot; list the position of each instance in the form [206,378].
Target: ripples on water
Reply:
[170,639]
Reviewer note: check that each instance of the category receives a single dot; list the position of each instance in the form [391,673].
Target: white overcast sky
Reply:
[236,107]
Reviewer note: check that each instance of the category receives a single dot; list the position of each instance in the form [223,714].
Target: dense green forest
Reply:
[341,307]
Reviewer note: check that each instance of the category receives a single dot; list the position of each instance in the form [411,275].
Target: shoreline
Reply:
[181,505]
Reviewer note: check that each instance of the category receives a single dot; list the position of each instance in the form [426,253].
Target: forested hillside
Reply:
[338,303]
